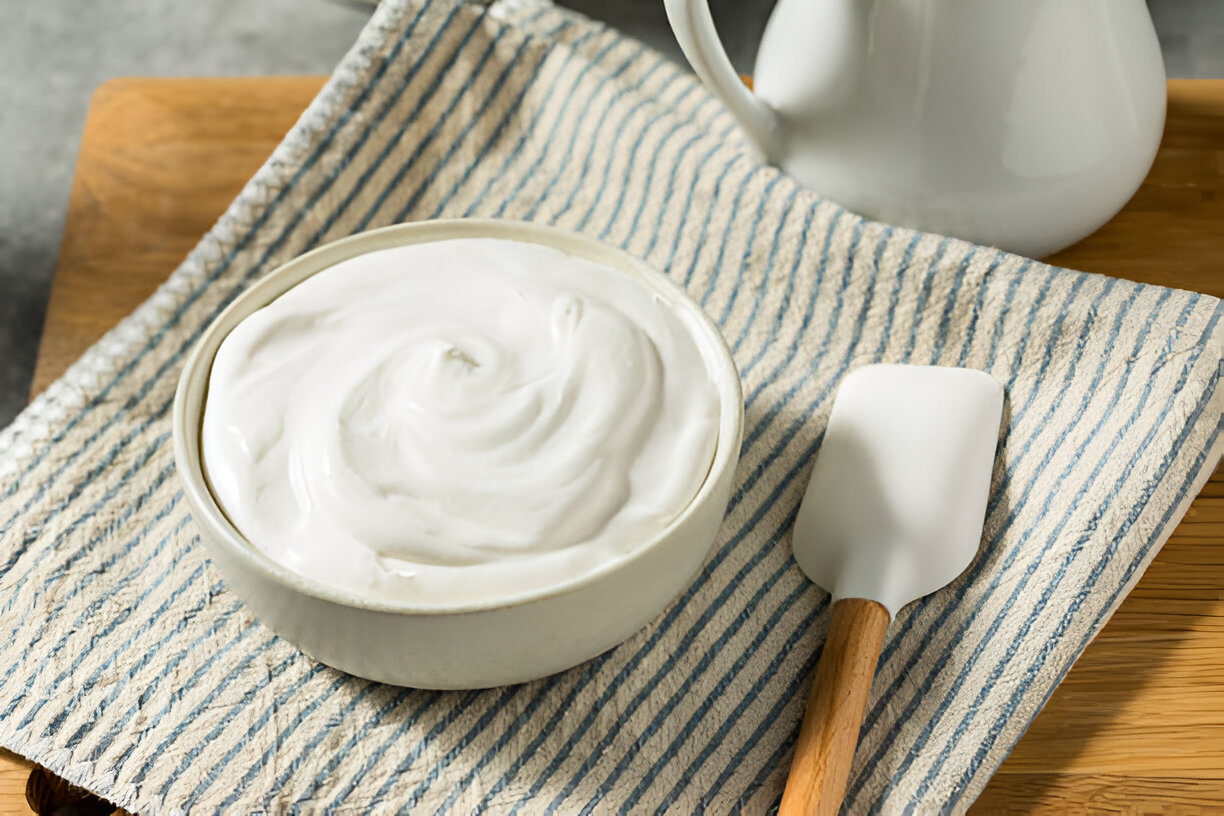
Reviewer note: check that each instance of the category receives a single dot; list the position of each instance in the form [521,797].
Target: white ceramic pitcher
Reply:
[1023,124]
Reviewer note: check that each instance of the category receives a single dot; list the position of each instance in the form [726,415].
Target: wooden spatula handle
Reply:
[821,767]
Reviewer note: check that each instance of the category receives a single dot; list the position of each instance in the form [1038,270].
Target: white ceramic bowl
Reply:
[474,645]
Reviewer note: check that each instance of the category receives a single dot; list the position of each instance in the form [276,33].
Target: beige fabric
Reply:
[127,666]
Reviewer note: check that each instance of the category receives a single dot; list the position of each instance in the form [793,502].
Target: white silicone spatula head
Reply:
[893,511]
[897,496]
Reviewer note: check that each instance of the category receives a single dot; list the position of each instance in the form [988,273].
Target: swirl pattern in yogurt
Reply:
[458,422]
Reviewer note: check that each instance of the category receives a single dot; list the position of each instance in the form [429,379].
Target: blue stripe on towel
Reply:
[1012,555]
[396,138]
[894,298]
[739,581]
[401,697]
[188,719]
[549,150]
[1094,575]
[495,137]
[427,701]
[815,287]
[706,106]
[639,141]
[304,712]
[899,637]
[773,766]
[708,214]
[432,177]
[431,733]
[456,748]
[912,247]
[983,288]
[719,259]
[77,554]
[788,207]
[605,50]
[769,722]
[723,685]
[541,109]
[192,753]
[170,666]
[79,625]
[171,362]
[786,605]
[140,775]
[634,55]
[904,676]
[168,403]
[945,319]
[244,240]
[513,729]
[670,190]
[923,294]
[57,722]
[444,722]
[624,90]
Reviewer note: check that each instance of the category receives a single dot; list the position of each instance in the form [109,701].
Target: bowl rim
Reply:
[192,389]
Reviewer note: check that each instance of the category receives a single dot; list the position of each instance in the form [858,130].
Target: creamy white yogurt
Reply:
[459,421]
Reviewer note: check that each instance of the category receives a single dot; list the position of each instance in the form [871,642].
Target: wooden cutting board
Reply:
[1138,724]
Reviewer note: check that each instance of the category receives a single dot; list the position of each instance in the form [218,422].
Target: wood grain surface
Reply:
[1138,724]
[13,773]
[160,160]
[824,752]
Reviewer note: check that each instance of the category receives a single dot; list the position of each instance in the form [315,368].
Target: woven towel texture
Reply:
[127,666]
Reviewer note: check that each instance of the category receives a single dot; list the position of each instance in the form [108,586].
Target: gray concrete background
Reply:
[54,53]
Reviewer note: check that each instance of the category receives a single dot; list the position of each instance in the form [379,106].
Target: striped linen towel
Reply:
[128,667]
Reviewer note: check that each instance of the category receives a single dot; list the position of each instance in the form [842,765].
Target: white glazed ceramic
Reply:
[894,507]
[478,645]
[1023,124]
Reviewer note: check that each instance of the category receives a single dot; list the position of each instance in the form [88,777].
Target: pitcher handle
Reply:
[694,28]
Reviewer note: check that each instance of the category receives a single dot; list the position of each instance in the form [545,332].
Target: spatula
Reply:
[893,511]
